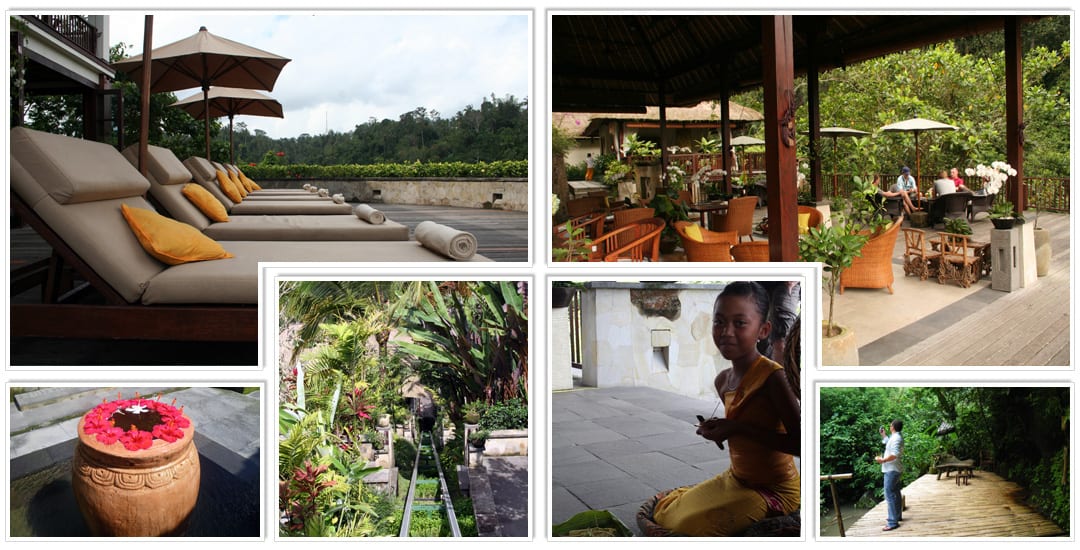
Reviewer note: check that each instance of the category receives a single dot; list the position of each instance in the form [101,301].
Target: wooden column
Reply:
[663,129]
[725,137]
[780,169]
[813,100]
[1014,110]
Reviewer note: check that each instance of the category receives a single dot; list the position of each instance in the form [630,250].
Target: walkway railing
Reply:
[73,28]
[1054,191]
[836,501]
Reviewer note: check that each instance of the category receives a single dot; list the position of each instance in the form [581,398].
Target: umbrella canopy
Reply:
[746,140]
[203,60]
[838,132]
[916,125]
[223,101]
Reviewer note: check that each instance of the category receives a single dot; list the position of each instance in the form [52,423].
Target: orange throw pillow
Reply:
[694,232]
[206,202]
[250,182]
[228,188]
[170,241]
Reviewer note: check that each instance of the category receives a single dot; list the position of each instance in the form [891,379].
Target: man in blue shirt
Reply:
[892,467]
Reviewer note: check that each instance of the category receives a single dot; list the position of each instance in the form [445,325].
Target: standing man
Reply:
[589,165]
[892,467]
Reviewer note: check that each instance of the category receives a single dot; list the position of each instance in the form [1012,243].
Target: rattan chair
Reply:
[635,242]
[873,267]
[757,251]
[917,260]
[957,264]
[739,217]
[979,203]
[714,246]
[956,204]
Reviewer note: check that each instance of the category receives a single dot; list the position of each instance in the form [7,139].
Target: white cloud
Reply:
[350,66]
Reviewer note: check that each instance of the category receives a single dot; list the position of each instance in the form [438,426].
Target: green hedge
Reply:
[497,169]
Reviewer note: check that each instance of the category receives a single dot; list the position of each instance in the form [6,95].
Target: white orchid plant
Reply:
[994,177]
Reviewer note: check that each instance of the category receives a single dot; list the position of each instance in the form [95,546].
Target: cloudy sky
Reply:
[350,66]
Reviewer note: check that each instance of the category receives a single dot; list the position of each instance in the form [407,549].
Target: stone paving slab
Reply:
[614,448]
[77,405]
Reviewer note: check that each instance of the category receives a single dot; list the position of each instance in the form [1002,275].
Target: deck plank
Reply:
[988,506]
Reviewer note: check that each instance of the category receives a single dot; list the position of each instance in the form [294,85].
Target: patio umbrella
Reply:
[916,125]
[746,140]
[836,132]
[203,60]
[222,101]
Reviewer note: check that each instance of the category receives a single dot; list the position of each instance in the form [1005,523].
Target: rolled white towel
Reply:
[338,198]
[307,187]
[312,189]
[450,242]
[369,214]
[324,192]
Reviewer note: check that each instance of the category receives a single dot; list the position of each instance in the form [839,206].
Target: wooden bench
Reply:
[951,464]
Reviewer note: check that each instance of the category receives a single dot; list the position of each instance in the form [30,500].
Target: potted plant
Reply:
[618,176]
[471,414]
[477,440]
[994,177]
[835,247]
[1001,214]
[641,151]
[958,226]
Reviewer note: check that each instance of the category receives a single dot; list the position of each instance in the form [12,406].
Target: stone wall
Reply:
[502,193]
[657,335]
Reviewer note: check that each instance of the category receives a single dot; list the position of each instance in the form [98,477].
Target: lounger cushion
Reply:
[206,202]
[227,187]
[170,241]
[694,232]
[310,208]
[77,174]
[304,228]
[236,280]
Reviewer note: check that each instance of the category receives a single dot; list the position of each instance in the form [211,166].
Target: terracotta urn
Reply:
[136,493]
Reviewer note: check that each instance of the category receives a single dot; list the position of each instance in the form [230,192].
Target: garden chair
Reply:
[713,246]
[957,261]
[634,242]
[739,217]
[873,267]
[627,216]
[917,260]
[956,205]
[168,178]
[980,203]
[757,251]
[70,191]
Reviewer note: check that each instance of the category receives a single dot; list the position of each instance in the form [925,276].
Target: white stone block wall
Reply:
[617,341]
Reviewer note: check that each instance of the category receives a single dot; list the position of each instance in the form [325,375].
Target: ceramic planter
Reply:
[1003,223]
[142,493]
[1042,252]
[839,350]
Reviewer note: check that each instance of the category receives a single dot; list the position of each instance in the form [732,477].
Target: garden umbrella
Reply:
[916,125]
[836,132]
[203,60]
[223,101]
[746,140]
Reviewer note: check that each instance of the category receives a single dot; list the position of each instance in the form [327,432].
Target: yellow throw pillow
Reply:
[170,241]
[804,223]
[254,186]
[238,184]
[694,232]
[227,187]
[206,202]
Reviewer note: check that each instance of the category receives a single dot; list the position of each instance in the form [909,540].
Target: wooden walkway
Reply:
[988,506]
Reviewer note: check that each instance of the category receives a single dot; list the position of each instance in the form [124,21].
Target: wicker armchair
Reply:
[714,246]
[956,204]
[642,242]
[873,268]
[757,251]
[956,262]
[979,203]
[815,215]
[739,217]
[917,260]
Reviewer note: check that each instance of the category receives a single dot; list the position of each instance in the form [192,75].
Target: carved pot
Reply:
[143,493]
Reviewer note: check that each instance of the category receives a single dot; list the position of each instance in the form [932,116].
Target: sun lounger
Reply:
[71,191]
[264,191]
[206,175]
[168,177]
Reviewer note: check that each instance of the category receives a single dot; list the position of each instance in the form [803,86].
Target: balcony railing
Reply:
[73,28]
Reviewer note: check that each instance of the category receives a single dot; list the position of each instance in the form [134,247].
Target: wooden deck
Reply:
[988,506]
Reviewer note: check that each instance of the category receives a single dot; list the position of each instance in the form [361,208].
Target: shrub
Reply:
[495,169]
[506,415]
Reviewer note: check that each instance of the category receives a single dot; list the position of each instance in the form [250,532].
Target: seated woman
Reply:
[761,424]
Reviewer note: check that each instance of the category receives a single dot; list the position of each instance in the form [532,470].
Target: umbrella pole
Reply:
[834,165]
[206,119]
[232,157]
[917,167]
[144,95]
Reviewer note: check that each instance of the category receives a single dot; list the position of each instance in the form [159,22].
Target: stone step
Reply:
[40,397]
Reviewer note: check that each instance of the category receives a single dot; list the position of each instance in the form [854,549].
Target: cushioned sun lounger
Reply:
[168,177]
[257,192]
[71,191]
[206,175]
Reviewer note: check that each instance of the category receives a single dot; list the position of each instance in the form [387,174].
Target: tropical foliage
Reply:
[1024,429]
[351,347]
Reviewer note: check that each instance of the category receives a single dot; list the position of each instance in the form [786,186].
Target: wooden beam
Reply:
[1014,110]
[725,137]
[778,68]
